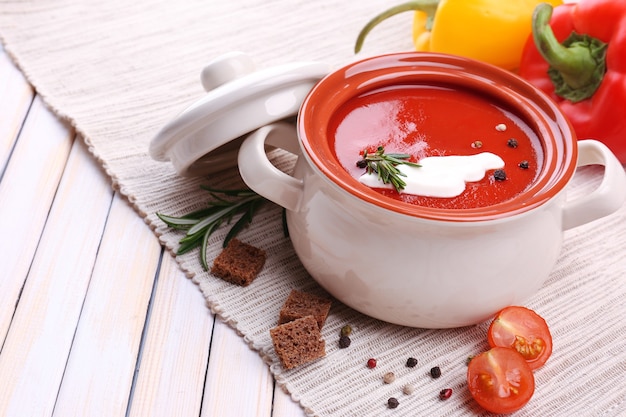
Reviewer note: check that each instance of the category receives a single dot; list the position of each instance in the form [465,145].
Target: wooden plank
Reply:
[176,349]
[27,189]
[16,96]
[33,358]
[101,367]
[238,382]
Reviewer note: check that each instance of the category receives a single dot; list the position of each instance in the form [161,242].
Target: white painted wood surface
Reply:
[95,319]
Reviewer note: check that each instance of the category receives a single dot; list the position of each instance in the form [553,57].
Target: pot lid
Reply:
[205,137]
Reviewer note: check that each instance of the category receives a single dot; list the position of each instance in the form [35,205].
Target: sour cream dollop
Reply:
[441,176]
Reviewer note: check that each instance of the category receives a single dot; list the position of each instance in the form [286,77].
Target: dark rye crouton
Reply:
[301,304]
[239,263]
[298,342]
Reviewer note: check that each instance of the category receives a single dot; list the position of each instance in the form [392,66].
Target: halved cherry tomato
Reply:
[523,330]
[500,380]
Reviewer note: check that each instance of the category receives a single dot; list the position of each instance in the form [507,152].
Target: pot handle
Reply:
[610,194]
[261,175]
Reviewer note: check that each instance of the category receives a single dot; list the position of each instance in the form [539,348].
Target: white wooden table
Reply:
[95,319]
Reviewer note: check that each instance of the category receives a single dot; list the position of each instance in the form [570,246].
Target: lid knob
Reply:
[226,68]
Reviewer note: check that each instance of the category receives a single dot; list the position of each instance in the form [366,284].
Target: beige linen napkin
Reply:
[119,70]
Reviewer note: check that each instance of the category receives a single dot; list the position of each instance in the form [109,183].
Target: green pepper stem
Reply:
[577,65]
[427,6]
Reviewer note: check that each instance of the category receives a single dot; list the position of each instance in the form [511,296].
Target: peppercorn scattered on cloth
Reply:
[120,70]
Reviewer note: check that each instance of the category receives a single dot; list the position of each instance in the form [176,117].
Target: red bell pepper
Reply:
[577,54]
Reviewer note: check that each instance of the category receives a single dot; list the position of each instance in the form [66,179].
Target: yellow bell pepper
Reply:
[493,31]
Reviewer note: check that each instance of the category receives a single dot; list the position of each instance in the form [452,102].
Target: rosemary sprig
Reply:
[385,166]
[201,224]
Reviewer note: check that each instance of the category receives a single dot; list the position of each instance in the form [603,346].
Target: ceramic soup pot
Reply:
[414,264]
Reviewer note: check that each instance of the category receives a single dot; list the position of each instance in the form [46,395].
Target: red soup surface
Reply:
[437,121]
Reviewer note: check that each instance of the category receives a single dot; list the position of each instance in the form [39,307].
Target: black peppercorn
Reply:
[344,342]
[392,402]
[512,143]
[362,163]
[435,372]
[499,175]
[523,164]
[411,362]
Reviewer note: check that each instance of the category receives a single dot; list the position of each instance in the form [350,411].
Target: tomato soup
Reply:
[426,121]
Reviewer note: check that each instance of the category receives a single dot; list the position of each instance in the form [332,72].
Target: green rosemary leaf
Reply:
[243,221]
[401,159]
[385,166]
[186,246]
[219,201]
[205,241]
[242,192]
[236,228]
[203,250]
[397,155]
[192,237]
[199,214]
[196,237]
[201,224]
[220,214]
[177,222]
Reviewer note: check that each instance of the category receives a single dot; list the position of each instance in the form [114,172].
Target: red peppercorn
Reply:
[371,363]
[446,393]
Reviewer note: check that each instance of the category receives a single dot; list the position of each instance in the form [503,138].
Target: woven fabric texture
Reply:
[120,70]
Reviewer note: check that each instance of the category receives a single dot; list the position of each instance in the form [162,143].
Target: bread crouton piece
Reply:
[298,342]
[301,304]
[239,263]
